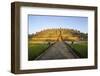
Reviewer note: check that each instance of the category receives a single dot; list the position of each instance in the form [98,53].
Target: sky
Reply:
[37,23]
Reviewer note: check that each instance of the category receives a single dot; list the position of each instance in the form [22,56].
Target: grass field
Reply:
[34,50]
[81,49]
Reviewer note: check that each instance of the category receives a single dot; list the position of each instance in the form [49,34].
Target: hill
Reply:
[55,34]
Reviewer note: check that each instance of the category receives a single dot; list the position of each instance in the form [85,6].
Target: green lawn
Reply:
[81,49]
[34,50]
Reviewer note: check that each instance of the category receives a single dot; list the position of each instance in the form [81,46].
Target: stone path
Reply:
[58,51]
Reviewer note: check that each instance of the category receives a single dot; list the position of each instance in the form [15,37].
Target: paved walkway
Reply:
[58,51]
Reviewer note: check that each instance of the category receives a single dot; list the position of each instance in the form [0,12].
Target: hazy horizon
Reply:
[38,23]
